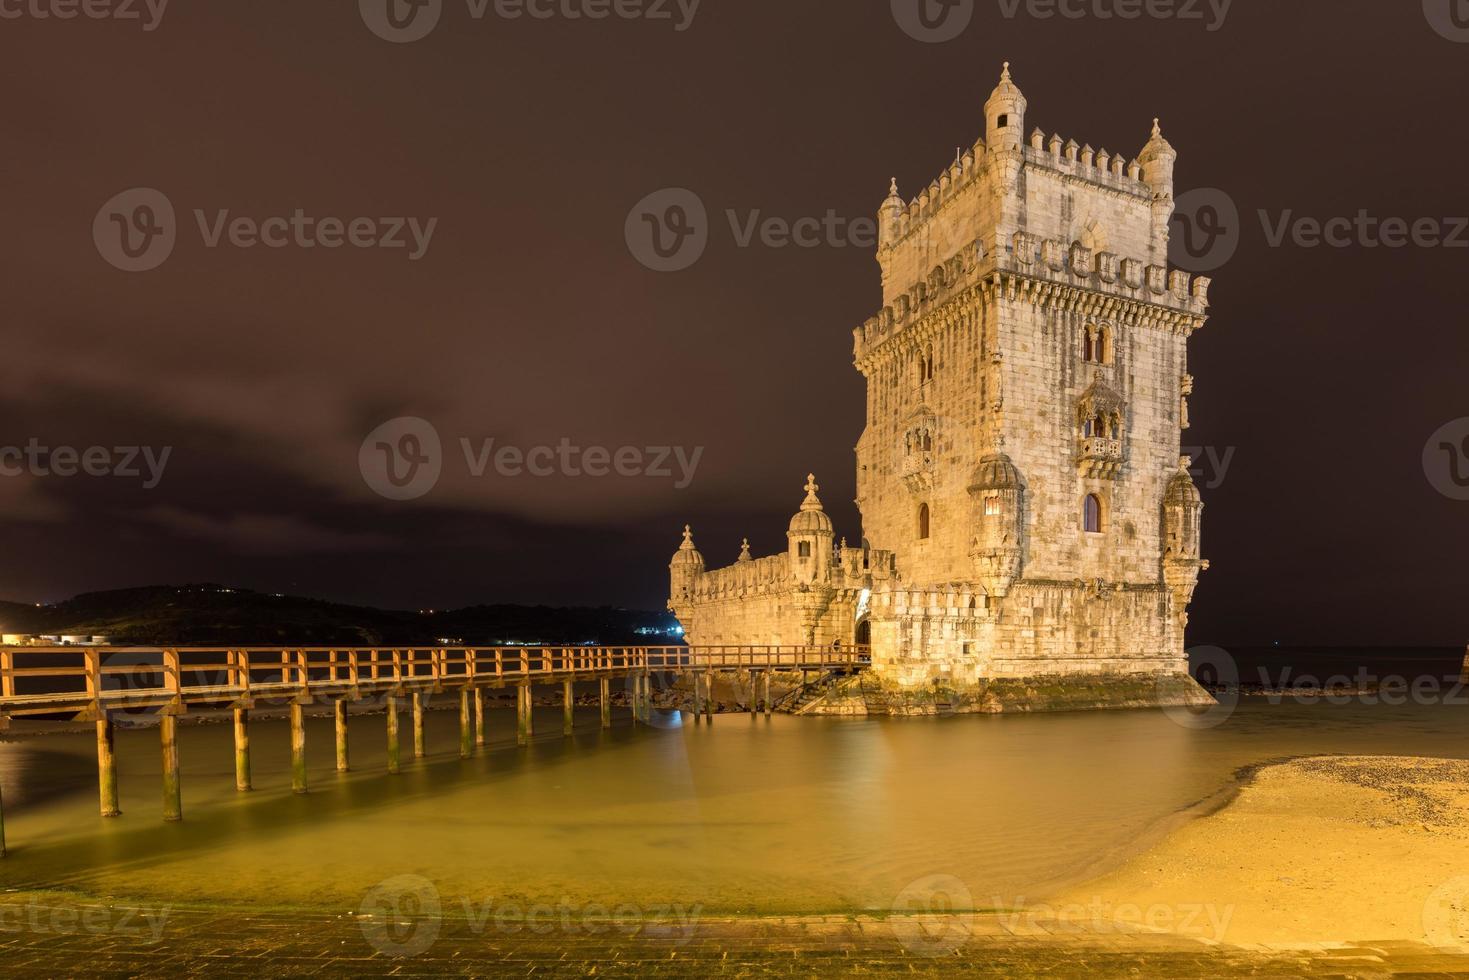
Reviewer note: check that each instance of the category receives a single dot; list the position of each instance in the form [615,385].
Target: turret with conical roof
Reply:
[684,570]
[890,217]
[1004,114]
[1157,160]
[811,537]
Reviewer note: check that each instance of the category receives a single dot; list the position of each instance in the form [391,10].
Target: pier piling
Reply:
[107,765]
[394,755]
[242,750]
[419,748]
[466,731]
[2,822]
[606,703]
[524,728]
[568,709]
[479,716]
[173,809]
[340,711]
[298,748]
[769,707]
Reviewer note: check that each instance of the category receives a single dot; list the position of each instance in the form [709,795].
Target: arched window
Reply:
[1089,344]
[803,549]
[1091,514]
[1104,346]
[991,506]
[923,522]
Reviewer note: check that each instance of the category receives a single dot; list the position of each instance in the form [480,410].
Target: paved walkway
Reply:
[47,937]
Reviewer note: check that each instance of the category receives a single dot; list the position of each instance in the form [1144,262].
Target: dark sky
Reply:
[1324,371]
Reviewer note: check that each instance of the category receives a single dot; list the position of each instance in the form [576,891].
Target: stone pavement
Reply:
[51,937]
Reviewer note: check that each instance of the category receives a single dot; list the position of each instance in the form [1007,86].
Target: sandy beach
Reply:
[1321,849]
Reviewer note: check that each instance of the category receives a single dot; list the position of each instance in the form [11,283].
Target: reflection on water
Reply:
[744,815]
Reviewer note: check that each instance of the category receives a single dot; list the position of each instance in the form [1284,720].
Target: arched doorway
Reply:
[864,633]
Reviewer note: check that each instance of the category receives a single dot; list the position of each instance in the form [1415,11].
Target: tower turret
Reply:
[1004,114]
[811,536]
[890,217]
[1157,160]
[1182,515]
[996,496]
[683,573]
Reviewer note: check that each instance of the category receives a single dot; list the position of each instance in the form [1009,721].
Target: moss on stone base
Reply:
[865,695]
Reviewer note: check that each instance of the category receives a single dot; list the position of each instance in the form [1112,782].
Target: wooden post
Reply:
[298,748]
[637,698]
[419,750]
[107,765]
[606,704]
[698,692]
[708,696]
[524,728]
[169,736]
[2,822]
[568,709]
[466,730]
[393,752]
[479,716]
[769,707]
[242,750]
[340,710]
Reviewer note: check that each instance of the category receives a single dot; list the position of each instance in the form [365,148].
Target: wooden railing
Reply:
[47,680]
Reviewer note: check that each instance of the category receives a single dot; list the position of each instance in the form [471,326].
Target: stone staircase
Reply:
[806,697]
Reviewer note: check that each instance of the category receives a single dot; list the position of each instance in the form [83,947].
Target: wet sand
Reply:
[1315,850]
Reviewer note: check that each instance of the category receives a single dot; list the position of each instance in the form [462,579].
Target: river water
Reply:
[744,815]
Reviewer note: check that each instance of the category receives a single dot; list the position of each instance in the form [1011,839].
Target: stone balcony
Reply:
[1100,458]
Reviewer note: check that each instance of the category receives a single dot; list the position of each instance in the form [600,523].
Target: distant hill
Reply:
[213,614]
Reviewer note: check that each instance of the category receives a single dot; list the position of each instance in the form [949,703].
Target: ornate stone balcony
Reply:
[1100,458]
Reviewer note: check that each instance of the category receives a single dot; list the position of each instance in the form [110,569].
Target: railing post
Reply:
[7,678]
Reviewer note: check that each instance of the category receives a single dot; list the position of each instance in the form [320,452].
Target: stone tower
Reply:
[1027,383]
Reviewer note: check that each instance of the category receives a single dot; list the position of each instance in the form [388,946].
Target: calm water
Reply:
[746,814]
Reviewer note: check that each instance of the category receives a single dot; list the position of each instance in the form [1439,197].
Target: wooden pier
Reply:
[96,683]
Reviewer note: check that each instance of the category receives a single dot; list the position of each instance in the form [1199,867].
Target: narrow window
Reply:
[804,549]
[1088,352]
[923,522]
[1092,514]
[1003,121]
[991,506]
[1104,346]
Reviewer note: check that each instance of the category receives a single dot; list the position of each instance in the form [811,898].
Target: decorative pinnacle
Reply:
[688,537]
[745,550]
[812,502]
[1157,128]
[1005,72]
